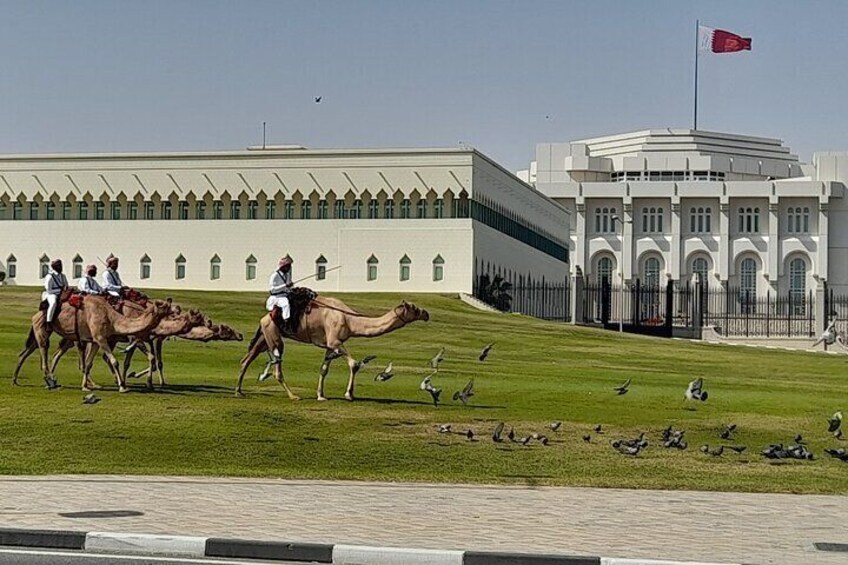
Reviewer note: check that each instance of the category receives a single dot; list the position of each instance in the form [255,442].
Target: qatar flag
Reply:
[721,41]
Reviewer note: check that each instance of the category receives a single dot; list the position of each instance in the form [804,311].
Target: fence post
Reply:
[606,293]
[698,314]
[823,307]
[577,305]
[669,306]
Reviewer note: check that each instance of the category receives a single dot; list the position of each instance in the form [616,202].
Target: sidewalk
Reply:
[697,526]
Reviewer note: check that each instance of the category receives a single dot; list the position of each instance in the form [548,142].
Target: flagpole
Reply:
[697,26]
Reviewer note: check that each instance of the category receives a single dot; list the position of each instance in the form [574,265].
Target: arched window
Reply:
[82,210]
[797,285]
[11,267]
[701,267]
[306,210]
[115,211]
[438,268]
[422,207]
[321,268]
[200,210]
[44,266]
[341,211]
[406,208]
[373,208]
[217,210]
[33,210]
[372,268]
[132,210]
[270,209]
[77,267]
[252,209]
[288,210]
[604,269]
[439,208]
[166,210]
[99,213]
[652,272]
[235,209]
[180,264]
[604,222]
[250,268]
[144,265]
[215,267]
[405,268]
[389,209]
[748,285]
[355,211]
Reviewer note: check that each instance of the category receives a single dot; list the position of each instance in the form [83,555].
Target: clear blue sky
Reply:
[88,76]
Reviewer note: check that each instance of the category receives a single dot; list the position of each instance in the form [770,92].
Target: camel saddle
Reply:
[300,303]
[130,295]
[68,295]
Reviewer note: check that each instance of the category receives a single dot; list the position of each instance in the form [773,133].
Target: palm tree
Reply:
[496,292]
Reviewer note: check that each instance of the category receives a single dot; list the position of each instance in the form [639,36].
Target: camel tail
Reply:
[255,339]
[30,341]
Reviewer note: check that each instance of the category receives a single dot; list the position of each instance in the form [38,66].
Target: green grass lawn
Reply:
[538,372]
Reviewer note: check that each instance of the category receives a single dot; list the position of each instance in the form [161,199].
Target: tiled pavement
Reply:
[706,526]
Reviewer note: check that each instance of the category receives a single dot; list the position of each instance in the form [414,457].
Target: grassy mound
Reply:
[538,372]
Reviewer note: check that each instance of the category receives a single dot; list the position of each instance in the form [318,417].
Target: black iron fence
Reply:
[736,312]
[538,298]
[836,308]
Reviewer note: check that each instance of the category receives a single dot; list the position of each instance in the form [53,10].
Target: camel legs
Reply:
[112,361]
[278,374]
[160,365]
[325,368]
[252,354]
[29,349]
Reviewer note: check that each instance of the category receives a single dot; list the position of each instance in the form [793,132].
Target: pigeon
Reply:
[385,374]
[434,392]
[465,393]
[715,453]
[496,435]
[598,429]
[361,363]
[800,440]
[318,99]
[90,399]
[728,432]
[51,384]
[627,450]
[555,426]
[623,388]
[834,422]
[736,448]
[511,435]
[673,439]
[839,453]
[666,433]
[535,435]
[485,352]
[470,435]
[696,390]
[437,360]
[587,438]
[638,441]
[525,440]
[543,440]
[445,428]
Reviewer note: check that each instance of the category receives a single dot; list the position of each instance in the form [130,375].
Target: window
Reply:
[33,210]
[252,209]
[372,268]
[652,220]
[148,210]
[132,210]
[340,209]
[798,220]
[389,209]
[250,268]
[422,208]
[306,210]
[749,220]
[701,267]
[604,270]
[373,209]
[748,285]
[438,268]
[217,210]
[405,266]
[323,210]
[66,210]
[12,267]
[270,209]
[406,208]
[2,210]
[700,220]
[166,210]
[235,210]
[355,211]
[439,208]
[17,210]
[604,222]
[115,211]
[652,272]
[321,268]
[99,210]
[83,210]
[797,285]
[460,207]
[288,210]
[145,267]
[44,266]
[77,267]
[200,210]
[215,268]
[183,212]
[180,264]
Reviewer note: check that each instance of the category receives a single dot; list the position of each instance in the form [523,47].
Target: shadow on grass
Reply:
[418,403]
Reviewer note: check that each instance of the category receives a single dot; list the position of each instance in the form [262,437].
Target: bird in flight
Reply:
[437,360]
[465,393]
[385,374]
[434,392]
[485,352]
[834,422]
[727,434]
[318,99]
[445,428]
[623,388]
[696,391]
[496,435]
[555,426]
[364,361]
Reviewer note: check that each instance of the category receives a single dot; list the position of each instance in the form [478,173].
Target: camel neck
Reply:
[364,326]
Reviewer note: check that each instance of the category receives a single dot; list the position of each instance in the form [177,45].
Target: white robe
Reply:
[89,285]
[112,282]
[54,284]
[279,289]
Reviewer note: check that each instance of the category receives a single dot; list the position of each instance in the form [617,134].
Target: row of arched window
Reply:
[700,220]
[250,267]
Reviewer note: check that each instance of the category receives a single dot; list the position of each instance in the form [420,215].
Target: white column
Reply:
[723,266]
[579,258]
[822,249]
[627,240]
[674,267]
[773,269]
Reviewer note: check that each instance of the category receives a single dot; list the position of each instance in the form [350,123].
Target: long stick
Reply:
[316,274]
[697,33]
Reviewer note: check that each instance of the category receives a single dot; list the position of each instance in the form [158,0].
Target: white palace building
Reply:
[416,220]
[667,203]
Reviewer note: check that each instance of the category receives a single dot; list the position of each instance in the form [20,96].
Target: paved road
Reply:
[36,557]
[719,527]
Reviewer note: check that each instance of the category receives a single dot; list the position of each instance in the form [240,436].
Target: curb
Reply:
[336,554]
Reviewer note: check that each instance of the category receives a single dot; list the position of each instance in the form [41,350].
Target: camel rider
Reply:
[88,284]
[280,286]
[54,283]
[111,279]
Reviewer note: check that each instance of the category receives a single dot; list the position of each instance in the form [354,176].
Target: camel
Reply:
[96,321]
[176,323]
[327,324]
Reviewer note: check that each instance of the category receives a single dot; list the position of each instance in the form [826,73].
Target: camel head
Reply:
[226,333]
[409,313]
[196,318]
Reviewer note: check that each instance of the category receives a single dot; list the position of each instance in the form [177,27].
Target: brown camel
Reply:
[96,321]
[328,324]
[177,322]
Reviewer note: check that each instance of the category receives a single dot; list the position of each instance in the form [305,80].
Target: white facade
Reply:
[418,220]
[660,204]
